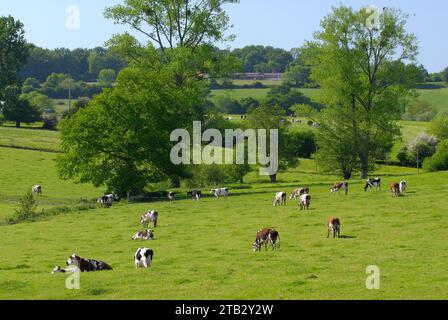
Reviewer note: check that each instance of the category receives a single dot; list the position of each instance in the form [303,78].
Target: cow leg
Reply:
[328,233]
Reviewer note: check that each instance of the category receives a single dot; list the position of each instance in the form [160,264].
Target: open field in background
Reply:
[203,250]
[29,139]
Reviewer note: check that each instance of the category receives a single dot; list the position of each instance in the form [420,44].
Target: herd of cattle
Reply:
[143,257]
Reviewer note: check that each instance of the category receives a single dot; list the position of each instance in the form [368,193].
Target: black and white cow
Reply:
[143,258]
[87,265]
[305,202]
[224,192]
[403,186]
[195,194]
[280,199]
[149,216]
[144,235]
[37,190]
[171,196]
[107,200]
[373,183]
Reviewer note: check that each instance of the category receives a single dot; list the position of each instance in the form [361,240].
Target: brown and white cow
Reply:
[298,192]
[334,226]
[338,186]
[305,201]
[280,199]
[395,189]
[264,237]
[171,196]
[149,216]
[144,235]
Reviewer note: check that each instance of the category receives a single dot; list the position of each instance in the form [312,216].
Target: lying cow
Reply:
[149,216]
[402,187]
[338,186]
[297,193]
[37,190]
[143,258]
[224,192]
[87,265]
[265,237]
[334,226]
[305,201]
[395,189]
[373,183]
[195,194]
[144,235]
[280,199]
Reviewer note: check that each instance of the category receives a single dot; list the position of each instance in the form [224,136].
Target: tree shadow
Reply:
[347,237]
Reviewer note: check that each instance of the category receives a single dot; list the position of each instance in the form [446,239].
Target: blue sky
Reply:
[280,23]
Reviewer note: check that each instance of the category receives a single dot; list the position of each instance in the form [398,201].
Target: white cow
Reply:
[149,216]
[403,186]
[280,199]
[220,192]
[305,201]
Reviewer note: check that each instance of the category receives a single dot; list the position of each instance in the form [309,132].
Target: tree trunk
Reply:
[17,124]
[365,158]
[273,178]
[175,182]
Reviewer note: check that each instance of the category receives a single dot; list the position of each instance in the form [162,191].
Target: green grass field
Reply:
[203,250]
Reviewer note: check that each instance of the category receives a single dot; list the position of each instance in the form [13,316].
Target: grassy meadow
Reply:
[203,250]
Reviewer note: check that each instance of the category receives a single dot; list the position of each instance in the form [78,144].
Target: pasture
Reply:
[203,250]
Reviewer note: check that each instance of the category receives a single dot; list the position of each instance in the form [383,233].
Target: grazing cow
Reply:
[149,216]
[220,192]
[143,258]
[395,189]
[305,201]
[195,194]
[403,186]
[144,235]
[338,186]
[334,226]
[298,192]
[265,237]
[280,199]
[37,189]
[373,183]
[171,196]
[87,265]
[106,201]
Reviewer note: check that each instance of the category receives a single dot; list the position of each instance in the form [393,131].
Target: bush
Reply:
[439,161]
[26,208]
[424,145]
[303,143]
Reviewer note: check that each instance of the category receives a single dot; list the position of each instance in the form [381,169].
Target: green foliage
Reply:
[26,208]
[439,161]
[420,111]
[423,146]
[30,85]
[439,126]
[286,97]
[107,77]
[303,143]
[263,59]
[40,101]
[18,109]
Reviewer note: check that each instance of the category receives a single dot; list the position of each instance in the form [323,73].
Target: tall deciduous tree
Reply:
[360,64]
[13,52]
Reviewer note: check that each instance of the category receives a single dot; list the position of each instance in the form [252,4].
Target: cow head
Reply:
[73,260]
[149,234]
[256,246]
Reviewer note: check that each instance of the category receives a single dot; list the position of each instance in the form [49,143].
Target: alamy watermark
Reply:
[373,280]
[73,20]
[373,21]
[73,281]
[189,149]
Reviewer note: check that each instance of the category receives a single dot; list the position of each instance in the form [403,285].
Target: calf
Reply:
[37,189]
[299,192]
[144,235]
[149,216]
[395,189]
[338,186]
[265,237]
[402,187]
[220,192]
[305,201]
[371,183]
[280,199]
[195,194]
[334,226]
[87,265]
[143,258]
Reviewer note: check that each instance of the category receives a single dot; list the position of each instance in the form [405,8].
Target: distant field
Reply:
[61,105]
[438,98]
[32,139]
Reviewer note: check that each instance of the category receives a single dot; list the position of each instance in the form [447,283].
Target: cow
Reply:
[338,186]
[106,201]
[305,201]
[149,216]
[264,237]
[37,190]
[395,189]
[402,187]
[171,196]
[143,258]
[144,235]
[280,199]
[87,265]
[220,192]
[298,192]
[334,226]
[371,183]
[195,194]
[69,269]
